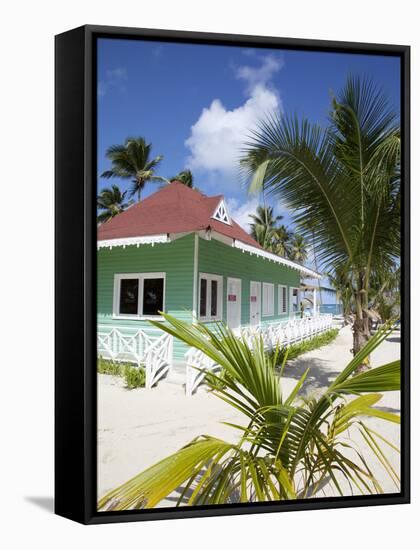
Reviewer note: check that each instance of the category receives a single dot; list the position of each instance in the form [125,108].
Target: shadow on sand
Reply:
[320,373]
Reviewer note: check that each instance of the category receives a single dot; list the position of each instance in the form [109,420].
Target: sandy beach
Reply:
[136,428]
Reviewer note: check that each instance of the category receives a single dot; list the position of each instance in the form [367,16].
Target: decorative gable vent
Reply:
[221,214]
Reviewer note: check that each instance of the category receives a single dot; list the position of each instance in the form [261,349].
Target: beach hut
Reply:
[180,251]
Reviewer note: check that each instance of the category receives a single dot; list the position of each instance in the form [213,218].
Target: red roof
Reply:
[173,209]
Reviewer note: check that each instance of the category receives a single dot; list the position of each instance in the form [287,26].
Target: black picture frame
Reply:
[75,273]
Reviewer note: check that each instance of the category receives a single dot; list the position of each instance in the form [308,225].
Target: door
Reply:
[233,307]
[255,303]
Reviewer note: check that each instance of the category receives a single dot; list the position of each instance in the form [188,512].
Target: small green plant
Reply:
[106,366]
[217,381]
[287,447]
[294,350]
[135,377]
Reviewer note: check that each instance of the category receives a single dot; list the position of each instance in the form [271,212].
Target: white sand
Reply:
[136,428]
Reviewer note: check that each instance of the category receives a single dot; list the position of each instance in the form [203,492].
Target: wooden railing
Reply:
[151,351]
[275,334]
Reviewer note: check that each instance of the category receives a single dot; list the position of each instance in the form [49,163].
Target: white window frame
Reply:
[282,300]
[221,212]
[268,304]
[211,277]
[140,277]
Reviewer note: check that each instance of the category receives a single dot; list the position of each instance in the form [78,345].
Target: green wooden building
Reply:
[179,251]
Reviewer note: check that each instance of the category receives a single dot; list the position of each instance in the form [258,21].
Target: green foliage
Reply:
[111,202]
[341,182]
[106,366]
[184,177]
[133,161]
[288,446]
[294,350]
[135,377]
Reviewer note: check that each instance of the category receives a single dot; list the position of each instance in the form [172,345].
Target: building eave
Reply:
[134,241]
[274,258]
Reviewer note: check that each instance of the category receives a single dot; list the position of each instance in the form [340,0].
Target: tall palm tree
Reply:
[111,201]
[344,181]
[298,249]
[133,161]
[185,177]
[283,237]
[263,227]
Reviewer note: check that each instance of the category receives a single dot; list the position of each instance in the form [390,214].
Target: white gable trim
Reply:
[221,213]
[274,258]
[129,241]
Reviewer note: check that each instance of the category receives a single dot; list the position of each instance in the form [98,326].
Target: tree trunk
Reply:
[361,335]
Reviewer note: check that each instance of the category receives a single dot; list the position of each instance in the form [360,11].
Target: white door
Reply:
[233,307]
[255,303]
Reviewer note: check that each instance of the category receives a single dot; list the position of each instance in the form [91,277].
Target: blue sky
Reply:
[196,103]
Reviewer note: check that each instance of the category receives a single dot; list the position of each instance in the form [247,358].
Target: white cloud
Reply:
[261,75]
[219,134]
[240,212]
[113,78]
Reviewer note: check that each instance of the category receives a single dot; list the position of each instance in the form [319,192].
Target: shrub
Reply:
[294,350]
[135,377]
[106,366]
[288,447]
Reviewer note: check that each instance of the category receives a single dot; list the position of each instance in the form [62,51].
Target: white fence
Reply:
[153,351]
[276,334]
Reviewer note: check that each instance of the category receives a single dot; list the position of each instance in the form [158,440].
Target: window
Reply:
[282,299]
[268,299]
[211,291]
[139,294]
[129,296]
[221,213]
[203,297]
[152,296]
[294,300]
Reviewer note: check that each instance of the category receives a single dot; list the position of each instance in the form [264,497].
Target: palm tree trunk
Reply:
[361,332]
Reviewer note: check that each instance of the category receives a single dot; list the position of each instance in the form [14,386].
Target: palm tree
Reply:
[287,447]
[263,227]
[132,161]
[282,239]
[341,282]
[343,181]
[111,201]
[184,177]
[298,249]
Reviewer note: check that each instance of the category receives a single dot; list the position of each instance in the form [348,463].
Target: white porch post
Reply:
[315,304]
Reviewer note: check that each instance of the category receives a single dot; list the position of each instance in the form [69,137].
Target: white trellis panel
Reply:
[279,334]
[154,353]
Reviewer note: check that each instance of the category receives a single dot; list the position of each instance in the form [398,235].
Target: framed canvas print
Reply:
[232,274]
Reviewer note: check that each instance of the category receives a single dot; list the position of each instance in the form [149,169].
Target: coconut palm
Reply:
[184,177]
[263,227]
[133,161]
[286,448]
[343,181]
[111,201]
[282,239]
[341,282]
[298,249]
